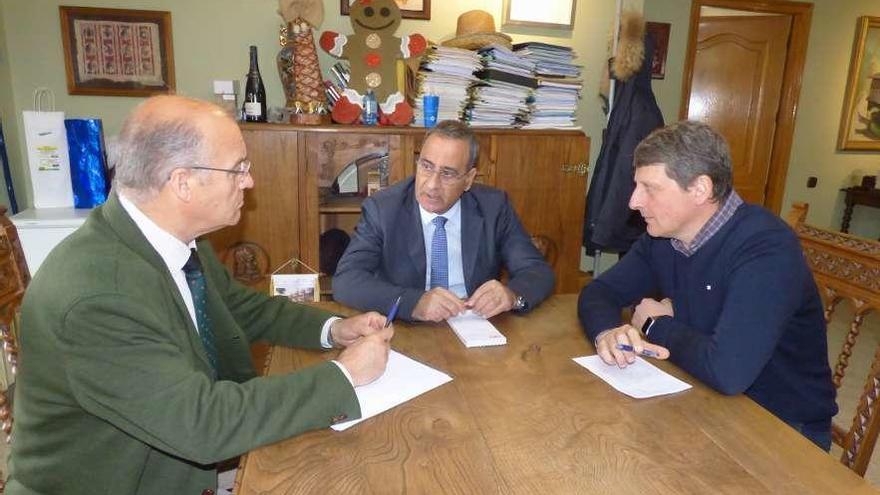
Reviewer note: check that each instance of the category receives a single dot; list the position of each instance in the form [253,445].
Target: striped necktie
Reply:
[439,262]
[196,281]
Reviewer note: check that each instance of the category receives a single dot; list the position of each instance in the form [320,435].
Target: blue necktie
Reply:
[439,263]
[196,281]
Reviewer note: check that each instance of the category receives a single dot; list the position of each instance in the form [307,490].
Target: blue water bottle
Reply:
[371,109]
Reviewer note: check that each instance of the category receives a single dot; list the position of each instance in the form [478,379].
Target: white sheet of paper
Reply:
[475,331]
[638,380]
[404,379]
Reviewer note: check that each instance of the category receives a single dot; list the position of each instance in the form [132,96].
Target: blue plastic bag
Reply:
[88,163]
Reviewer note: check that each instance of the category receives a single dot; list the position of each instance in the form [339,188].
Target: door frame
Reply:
[801,17]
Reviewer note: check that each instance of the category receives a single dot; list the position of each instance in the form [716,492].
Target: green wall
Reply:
[210,42]
[668,90]
[814,150]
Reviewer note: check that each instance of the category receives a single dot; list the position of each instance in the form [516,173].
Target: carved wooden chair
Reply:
[847,267]
[548,249]
[14,277]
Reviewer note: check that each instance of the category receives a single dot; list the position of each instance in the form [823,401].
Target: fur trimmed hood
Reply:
[630,46]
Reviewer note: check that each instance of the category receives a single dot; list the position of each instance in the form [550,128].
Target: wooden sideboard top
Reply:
[363,129]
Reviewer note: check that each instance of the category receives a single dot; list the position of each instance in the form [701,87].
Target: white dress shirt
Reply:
[453,247]
[171,249]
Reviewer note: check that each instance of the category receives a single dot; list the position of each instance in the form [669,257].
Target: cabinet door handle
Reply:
[579,169]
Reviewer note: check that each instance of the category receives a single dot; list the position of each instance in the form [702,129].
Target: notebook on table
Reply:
[475,331]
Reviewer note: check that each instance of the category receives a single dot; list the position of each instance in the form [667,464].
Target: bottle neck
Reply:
[255,68]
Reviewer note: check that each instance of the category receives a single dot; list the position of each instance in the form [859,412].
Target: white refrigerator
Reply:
[41,229]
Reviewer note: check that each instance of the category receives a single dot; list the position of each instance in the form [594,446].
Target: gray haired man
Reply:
[138,376]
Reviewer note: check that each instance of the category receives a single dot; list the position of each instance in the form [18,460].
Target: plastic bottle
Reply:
[371,109]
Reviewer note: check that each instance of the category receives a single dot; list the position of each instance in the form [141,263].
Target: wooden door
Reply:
[545,177]
[736,86]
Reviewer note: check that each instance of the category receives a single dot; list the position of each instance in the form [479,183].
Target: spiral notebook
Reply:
[475,331]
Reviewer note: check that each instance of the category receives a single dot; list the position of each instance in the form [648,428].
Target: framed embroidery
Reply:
[117,52]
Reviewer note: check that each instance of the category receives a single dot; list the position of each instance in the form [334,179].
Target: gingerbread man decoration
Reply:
[373,51]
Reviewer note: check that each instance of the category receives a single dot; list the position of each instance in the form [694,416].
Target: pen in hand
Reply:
[645,352]
[392,313]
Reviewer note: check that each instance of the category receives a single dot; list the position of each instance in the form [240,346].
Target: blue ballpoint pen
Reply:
[629,348]
[392,313]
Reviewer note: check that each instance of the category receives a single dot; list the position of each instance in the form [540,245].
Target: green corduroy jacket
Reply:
[114,394]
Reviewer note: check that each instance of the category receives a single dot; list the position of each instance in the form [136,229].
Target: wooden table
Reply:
[524,418]
[857,196]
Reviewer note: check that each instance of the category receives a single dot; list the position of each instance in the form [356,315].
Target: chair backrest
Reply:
[548,249]
[14,278]
[847,267]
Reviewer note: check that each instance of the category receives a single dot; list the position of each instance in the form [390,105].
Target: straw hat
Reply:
[476,29]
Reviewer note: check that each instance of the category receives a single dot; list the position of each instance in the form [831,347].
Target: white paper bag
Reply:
[48,158]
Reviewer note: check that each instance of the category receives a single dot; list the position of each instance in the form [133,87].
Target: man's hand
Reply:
[348,331]
[607,341]
[491,298]
[365,359]
[437,304]
[652,308]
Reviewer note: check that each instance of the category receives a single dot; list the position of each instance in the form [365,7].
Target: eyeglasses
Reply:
[447,175]
[241,169]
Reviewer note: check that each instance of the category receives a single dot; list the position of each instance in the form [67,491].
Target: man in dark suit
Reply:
[137,377]
[439,242]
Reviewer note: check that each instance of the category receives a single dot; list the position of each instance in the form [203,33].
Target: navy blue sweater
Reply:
[748,317]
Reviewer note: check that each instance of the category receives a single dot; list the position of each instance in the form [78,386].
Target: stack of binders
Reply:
[448,73]
[554,103]
[500,97]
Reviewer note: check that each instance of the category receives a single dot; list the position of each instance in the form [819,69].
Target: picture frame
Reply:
[117,52]
[296,281]
[554,14]
[301,288]
[860,119]
[660,32]
[409,9]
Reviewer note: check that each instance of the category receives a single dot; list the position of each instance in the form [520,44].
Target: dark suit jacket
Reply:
[386,257]
[115,393]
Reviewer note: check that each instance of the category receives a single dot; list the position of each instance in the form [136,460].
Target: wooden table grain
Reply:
[525,419]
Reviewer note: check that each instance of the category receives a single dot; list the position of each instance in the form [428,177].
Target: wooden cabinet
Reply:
[543,172]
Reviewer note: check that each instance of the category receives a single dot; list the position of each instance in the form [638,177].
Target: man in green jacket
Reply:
[136,375]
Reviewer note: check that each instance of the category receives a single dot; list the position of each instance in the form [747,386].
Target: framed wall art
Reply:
[860,122]
[409,9]
[117,52]
[557,14]
[660,32]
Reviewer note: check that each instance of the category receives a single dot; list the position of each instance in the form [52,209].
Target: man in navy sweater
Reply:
[720,287]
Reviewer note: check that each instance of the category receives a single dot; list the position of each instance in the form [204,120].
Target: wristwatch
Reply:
[520,304]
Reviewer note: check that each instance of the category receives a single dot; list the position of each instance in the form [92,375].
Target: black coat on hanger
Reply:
[609,224]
